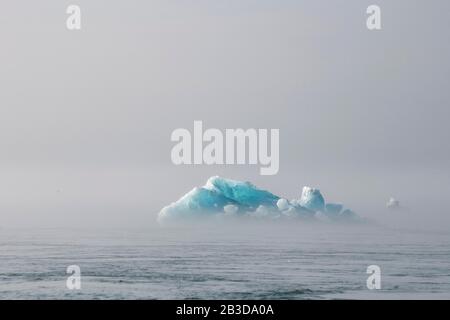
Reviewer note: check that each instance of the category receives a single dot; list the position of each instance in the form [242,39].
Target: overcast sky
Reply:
[86,116]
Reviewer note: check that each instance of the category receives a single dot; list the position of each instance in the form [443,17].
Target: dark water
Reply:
[240,262]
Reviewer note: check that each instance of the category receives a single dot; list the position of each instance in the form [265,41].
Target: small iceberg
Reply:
[226,197]
[333,208]
[393,203]
[312,199]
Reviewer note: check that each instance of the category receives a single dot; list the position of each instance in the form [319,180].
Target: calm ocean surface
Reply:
[240,262]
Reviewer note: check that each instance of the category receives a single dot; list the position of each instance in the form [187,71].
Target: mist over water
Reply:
[227,261]
[87,116]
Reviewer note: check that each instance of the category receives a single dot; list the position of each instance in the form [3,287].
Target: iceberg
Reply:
[333,208]
[198,201]
[283,205]
[312,199]
[393,203]
[227,197]
[347,214]
[230,209]
[244,193]
[219,195]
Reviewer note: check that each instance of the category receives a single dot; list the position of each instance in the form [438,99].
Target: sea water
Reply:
[247,261]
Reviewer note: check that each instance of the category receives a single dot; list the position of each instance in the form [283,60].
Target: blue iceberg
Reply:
[333,208]
[312,199]
[347,214]
[226,197]
[243,193]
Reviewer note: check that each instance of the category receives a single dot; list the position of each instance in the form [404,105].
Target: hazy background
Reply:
[86,116]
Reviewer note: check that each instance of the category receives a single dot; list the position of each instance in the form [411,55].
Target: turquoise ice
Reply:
[220,196]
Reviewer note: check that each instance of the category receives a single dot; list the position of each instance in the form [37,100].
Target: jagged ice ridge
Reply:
[226,197]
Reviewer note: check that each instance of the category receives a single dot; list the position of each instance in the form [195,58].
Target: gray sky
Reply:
[86,116]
